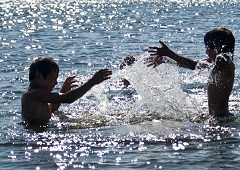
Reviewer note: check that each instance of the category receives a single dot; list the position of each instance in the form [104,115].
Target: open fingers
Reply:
[103,74]
[107,75]
[69,79]
[106,72]
[162,44]
[149,61]
[153,47]
[69,84]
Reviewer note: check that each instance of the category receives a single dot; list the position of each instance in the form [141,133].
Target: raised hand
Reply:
[69,84]
[101,75]
[154,61]
[159,51]
[157,54]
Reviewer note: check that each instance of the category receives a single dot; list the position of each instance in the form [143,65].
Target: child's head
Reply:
[128,61]
[221,38]
[44,66]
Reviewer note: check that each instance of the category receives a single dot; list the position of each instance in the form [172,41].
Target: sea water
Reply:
[155,123]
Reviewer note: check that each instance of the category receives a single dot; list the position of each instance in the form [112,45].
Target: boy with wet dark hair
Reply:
[128,60]
[39,102]
[220,37]
[43,65]
[219,44]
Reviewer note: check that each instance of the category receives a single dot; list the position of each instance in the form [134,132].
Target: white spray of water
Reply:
[158,94]
[155,93]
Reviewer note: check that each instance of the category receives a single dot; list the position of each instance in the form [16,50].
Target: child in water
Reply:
[219,44]
[39,102]
[128,60]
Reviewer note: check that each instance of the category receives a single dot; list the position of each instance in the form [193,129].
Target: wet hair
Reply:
[127,61]
[42,65]
[222,38]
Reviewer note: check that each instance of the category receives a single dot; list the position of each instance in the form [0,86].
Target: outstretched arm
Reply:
[157,54]
[67,86]
[73,95]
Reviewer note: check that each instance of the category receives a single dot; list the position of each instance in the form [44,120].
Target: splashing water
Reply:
[160,92]
[154,93]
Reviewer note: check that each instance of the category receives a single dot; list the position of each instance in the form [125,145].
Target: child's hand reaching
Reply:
[157,55]
[69,84]
[100,76]
[154,61]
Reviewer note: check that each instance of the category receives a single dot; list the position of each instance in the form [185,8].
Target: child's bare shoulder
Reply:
[224,60]
[35,93]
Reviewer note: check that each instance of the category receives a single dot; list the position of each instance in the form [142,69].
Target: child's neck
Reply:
[33,85]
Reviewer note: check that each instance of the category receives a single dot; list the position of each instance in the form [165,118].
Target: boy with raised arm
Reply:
[39,102]
[219,44]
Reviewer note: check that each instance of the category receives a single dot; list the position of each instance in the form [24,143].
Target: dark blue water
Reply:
[154,123]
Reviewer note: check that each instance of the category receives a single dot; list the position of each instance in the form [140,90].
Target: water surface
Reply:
[153,124]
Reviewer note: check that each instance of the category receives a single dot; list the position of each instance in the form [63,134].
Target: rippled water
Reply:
[153,124]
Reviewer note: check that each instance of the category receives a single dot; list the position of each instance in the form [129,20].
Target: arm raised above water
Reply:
[68,84]
[73,95]
[157,55]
